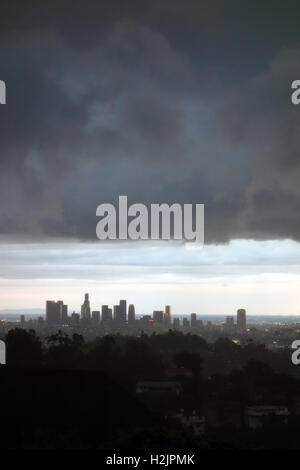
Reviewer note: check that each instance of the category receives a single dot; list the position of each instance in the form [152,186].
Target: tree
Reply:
[24,349]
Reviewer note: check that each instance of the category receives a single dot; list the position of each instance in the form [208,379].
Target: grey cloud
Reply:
[152,263]
[160,103]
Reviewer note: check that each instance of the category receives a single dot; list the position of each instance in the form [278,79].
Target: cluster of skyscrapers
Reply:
[119,315]
[57,313]
[241,323]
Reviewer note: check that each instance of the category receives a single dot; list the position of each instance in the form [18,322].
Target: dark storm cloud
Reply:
[162,101]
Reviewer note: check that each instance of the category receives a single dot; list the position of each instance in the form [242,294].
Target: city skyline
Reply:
[123,315]
[121,312]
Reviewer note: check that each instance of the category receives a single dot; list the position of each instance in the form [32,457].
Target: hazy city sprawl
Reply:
[203,381]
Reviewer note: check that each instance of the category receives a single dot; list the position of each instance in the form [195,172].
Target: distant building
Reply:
[22,320]
[106,314]
[131,314]
[167,315]
[54,312]
[123,311]
[229,323]
[193,320]
[241,320]
[158,316]
[256,416]
[96,316]
[86,309]
[185,323]
[117,313]
[75,317]
[64,314]
[110,314]
[176,322]
[146,320]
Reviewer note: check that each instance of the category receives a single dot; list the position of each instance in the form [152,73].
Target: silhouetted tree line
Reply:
[223,377]
[147,357]
[221,371]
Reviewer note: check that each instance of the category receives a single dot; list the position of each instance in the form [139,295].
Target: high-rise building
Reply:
[123,311]
[176,323]
[167,314]
[22,320]
[193,320]
[117,313]
[131,314]
[110,314]
[158,316]
[64,314]
[86,309]
[241,319]
[229,326]
[106,314]
[185,323]
[53,312]
[96,316]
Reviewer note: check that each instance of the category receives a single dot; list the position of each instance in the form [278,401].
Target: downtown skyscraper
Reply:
[86,309]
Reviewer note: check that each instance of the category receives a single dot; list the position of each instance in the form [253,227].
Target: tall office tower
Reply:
[185,323]
[22,320]
[131,314]
[167,314]
[96,316]
[110,314]
[85,308]
[193,320]
[229,324]
[158,316]
[106,314]
[64,314]
[123,311]
[241,319]
[117,313]
[176,323]
[53,312]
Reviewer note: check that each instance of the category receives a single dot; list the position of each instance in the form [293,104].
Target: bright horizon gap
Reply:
[215,280]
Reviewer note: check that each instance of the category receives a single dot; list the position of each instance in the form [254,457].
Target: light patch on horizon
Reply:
[262,276]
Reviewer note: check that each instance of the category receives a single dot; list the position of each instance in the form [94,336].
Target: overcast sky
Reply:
[163,101]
